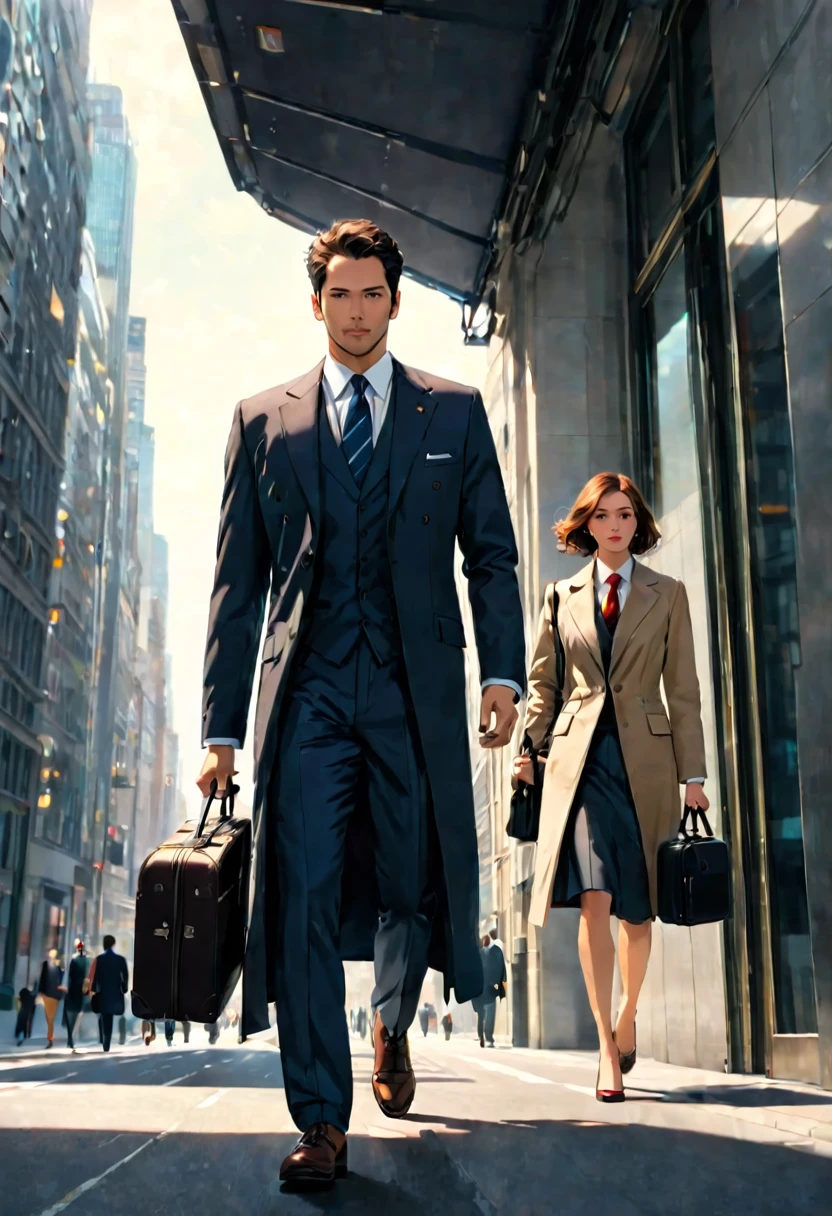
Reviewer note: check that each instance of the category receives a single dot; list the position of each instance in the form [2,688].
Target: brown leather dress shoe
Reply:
[315,1160]
[394,1082]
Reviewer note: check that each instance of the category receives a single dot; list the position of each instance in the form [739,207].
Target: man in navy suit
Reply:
[109,983]
[346,491]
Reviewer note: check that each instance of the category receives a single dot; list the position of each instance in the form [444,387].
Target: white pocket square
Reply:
[438,456]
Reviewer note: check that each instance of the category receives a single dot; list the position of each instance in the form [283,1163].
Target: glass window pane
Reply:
[675,472]
[656,168]
[697,106]
[770,493]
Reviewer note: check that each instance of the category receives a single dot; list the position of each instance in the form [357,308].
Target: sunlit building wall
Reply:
[45,164]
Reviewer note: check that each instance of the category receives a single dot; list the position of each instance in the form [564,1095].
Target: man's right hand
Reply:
[218,766]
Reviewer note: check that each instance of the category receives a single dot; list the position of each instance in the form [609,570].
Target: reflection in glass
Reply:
[770,492]
[675,474]
[657,186]
[697,107]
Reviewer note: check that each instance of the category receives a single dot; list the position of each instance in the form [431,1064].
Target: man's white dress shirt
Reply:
[337,396]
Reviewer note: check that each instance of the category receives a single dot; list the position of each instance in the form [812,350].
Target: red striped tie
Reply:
[611,608]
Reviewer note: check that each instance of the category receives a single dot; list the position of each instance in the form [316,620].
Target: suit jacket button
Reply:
[306,560]
[437,485]
[425,519]
[625,724]
[616,688]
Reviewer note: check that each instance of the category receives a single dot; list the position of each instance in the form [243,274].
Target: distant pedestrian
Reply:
[76,990]
[424,1018]
[122,1030]
[170,1030]
[25,1015]
[448,1025]
[213,1031]
[148,1032]
[494,977]
[109,981]
[51,989]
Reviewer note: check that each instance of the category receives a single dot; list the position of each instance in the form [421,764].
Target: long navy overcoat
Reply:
[445,485]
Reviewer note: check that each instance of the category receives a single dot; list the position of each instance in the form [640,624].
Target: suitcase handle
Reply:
[695,813]
[226,805]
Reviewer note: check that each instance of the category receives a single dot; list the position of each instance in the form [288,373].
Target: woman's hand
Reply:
[521,767]
[695,796]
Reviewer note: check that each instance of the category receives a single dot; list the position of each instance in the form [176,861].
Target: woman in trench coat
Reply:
[616,755]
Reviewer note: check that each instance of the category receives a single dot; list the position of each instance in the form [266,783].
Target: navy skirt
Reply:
[602,848]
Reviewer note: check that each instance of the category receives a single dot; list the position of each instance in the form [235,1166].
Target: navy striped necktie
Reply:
[357,440]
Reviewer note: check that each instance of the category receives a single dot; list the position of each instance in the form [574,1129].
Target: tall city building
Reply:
[110,221]
[45,169]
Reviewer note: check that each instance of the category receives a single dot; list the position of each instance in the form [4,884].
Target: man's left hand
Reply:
[497,699]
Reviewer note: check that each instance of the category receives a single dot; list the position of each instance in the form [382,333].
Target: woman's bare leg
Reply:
[633,956]
[597,955]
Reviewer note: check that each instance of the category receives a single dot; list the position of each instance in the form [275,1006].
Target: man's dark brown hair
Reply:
[354,239]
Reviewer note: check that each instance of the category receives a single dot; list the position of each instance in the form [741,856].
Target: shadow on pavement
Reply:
[467,1167]
[749,1095]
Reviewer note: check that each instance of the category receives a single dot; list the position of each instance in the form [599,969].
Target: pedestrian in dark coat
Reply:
[346,492]
[76,990]
[109,981]
[494,978]
[51,989]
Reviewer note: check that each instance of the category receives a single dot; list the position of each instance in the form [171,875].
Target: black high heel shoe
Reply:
[627,1059]
[607,1095]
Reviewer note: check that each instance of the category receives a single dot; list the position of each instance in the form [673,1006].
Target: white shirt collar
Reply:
[379,375]
[602,572]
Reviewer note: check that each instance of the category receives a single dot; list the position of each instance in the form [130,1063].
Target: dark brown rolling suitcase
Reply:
[191,918]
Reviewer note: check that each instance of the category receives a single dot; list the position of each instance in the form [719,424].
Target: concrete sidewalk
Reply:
[789,1107]
[804,1111]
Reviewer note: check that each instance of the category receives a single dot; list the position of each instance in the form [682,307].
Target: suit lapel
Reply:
[581,604]
[299,415]
[641,599]
[415,405]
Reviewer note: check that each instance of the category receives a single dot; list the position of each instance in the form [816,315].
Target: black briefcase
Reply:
[191,917]
[694,885]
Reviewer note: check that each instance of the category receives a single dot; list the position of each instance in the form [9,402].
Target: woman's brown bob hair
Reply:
[574,535]
[354,239]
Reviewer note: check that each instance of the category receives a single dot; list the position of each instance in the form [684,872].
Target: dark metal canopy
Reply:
[406,114]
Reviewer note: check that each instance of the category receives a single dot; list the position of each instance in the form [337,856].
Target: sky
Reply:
[226,297]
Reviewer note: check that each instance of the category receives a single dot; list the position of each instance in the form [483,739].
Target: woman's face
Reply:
[614,523]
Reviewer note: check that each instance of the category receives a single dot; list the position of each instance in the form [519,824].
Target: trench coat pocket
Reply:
[658,724]
[448,629]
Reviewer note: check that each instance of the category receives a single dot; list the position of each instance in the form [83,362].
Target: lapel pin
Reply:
[420,409]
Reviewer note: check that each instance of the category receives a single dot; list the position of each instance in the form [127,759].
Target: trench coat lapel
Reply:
[581,604]
[415,405]
[641,599]
[299,414]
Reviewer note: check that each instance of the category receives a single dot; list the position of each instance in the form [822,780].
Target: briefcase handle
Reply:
[695,813]
[226,805]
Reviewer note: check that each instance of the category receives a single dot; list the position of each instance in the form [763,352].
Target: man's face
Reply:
[356,304]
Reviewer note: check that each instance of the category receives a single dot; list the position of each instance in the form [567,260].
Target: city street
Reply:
[192,1129]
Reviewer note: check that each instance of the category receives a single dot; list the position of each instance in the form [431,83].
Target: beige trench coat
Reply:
[662,748]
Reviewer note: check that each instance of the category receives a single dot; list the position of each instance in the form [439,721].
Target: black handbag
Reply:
[524,808]
[694,876]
